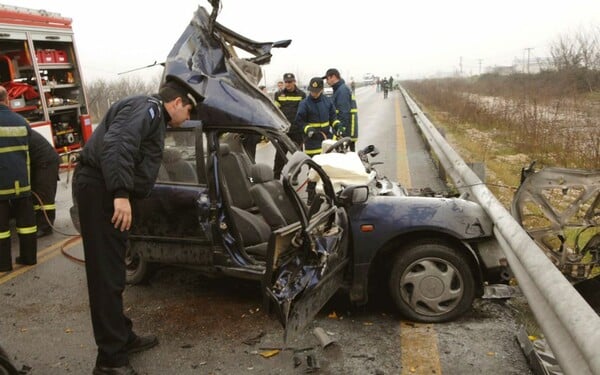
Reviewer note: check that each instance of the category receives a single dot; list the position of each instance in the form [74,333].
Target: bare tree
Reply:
[102,94]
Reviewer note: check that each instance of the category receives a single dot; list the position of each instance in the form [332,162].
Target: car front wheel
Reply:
[431,282]
[138,269]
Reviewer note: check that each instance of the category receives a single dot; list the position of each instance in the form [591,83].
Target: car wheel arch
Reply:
[381,260]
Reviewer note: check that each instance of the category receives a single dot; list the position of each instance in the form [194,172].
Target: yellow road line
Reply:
[419,349]
[418,342]
[42,256]
[402,171]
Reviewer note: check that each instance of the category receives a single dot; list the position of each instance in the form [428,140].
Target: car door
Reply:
[306,261]
[174,215]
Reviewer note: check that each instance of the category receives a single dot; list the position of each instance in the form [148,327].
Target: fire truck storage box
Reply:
[60,57]
[45,56]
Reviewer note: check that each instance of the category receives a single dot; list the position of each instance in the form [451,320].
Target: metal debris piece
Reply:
[324,339]
[312,362]
[538,354]
[254,340]
[297,360]
[498,291]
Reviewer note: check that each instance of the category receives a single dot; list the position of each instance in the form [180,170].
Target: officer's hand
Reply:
[310,133]
[122,215]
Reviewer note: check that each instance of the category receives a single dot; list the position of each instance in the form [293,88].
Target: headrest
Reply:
[261,173]
[224,149]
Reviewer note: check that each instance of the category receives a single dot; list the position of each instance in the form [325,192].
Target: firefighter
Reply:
[45,164]
[345,105]
[316,115]
[120,162]
[288,101]
[15,189]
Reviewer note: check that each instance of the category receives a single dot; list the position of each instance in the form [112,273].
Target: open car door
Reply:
[307,260]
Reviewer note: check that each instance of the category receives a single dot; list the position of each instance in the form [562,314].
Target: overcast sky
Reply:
[385,37]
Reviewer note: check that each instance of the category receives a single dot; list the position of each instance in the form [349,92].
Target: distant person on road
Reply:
[316,116]
[15,187]
[385,87]
[45,164]
[288,101]
[391,83]
[120,162]
[280,86]
[345,105]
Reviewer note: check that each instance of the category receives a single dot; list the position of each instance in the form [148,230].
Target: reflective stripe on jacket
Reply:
[319,115]
[14,155]
[347,112]
[288,102]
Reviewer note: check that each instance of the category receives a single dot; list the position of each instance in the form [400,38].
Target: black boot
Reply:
[5,256]
[27,249]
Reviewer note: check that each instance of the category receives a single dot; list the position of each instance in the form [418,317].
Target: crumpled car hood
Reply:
[204,59]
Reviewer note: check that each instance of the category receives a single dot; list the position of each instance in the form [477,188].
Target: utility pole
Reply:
[528,56]
[480,60]
[461,66]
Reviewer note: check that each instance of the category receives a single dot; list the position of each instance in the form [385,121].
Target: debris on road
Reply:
[324,339]
[255,340]
[270,353]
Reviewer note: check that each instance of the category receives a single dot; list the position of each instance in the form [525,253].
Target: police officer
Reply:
[288,101]
[345,104]
[45,165]
[118,163]
[316,115]
[15,188]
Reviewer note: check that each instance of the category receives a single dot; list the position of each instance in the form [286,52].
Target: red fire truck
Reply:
[40,69]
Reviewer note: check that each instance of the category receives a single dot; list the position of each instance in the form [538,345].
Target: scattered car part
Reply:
[560,209]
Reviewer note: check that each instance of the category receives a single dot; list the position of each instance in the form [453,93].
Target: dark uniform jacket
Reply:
[347,113]
[14,155]
[288,102]
[126,148]
[316,116]
[41,152]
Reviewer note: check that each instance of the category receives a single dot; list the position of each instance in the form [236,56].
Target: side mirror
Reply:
[354,195]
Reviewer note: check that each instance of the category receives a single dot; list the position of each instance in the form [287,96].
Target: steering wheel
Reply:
[338,143]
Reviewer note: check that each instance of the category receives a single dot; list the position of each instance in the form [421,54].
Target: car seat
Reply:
[270,197]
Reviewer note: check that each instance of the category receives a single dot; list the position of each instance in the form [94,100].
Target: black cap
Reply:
[332,72]
[316,84]
[288,77]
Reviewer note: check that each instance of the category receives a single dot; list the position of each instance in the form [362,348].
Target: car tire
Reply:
[431,282]
[138,270]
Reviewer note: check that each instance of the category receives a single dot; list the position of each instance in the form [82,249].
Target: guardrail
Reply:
[570,325]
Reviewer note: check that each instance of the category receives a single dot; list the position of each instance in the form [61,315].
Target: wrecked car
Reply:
[217,209]
[560,209]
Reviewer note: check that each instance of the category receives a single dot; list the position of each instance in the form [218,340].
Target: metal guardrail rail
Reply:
[570,325]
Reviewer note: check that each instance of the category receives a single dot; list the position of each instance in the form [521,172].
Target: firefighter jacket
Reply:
[14,155]
[126,148]
[347,113]
[41,152]
[316,116]
[288,102]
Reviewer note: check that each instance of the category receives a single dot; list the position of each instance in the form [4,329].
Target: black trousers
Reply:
[104,248]
[280,160]
[26,229]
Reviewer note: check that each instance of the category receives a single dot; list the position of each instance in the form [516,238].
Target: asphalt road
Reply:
[216,326]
